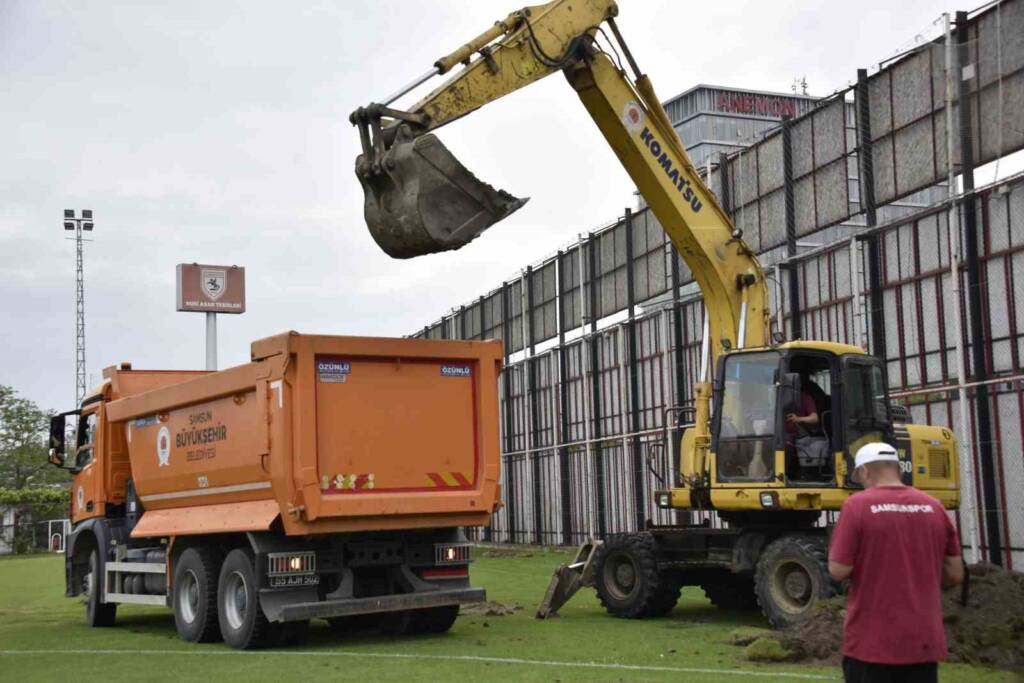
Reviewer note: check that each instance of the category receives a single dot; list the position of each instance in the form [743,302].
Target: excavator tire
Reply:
[627,578]
[791,578]
[737,593]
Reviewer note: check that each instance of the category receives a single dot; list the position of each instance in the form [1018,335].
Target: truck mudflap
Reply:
[278,606]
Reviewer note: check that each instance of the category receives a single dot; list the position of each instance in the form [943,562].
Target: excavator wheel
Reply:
[627,578]
[792,577]
[734,594]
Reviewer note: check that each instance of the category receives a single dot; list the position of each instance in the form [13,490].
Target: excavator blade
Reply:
[424,201]
[568,579]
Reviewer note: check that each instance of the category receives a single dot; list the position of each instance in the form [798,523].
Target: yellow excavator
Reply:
[773,430]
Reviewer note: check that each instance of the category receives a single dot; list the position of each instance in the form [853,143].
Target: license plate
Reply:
[289,581]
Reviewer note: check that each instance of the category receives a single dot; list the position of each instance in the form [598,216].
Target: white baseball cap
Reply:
[875,452]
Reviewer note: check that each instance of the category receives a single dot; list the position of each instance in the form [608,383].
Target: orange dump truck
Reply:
[328,478]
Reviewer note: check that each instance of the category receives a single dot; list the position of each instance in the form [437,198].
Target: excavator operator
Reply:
[807,440]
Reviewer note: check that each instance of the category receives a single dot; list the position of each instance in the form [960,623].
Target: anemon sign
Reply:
[760,105]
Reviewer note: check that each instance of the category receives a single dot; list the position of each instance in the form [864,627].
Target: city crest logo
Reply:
[214,282]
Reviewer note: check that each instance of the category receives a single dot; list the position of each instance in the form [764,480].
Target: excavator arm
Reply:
[420,200]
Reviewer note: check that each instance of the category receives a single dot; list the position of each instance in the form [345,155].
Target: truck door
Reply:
[86,501]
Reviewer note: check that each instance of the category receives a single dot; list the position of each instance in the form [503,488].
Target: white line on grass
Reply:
[448,658]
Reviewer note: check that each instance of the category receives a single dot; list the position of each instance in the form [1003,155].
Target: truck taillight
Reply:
[451,553]
[289,564]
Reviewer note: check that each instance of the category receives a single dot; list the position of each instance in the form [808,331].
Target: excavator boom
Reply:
[421,200]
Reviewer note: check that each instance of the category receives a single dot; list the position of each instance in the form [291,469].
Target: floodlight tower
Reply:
[84,223]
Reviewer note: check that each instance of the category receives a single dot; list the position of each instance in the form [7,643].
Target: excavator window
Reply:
[86,439]
[746,421]
[865,403]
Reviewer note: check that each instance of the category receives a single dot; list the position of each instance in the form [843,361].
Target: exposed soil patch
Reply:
[988,630]
[490,609]
[482,550]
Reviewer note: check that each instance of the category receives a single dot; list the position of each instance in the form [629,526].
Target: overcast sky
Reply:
[218,132]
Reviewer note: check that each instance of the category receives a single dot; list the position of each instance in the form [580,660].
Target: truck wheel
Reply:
[627,578]
[357,623]
[436,619]
[194,596]
[792,576]
[291,633]
[734,594]
[398,623]
[97,614]
[242,622]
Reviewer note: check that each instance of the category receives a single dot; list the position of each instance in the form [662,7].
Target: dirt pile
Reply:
[988,630]
[820,638]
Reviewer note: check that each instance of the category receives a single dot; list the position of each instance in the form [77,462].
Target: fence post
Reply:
[792,267]
[865,157]
[595,403]
[510,479]
[563,409]
[634,377]
[487,531]
[968,71]
[533,404]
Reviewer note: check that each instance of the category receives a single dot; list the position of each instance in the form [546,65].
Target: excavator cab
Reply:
[784,401]
[418,198]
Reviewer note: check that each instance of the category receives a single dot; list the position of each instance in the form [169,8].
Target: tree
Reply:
[28,483]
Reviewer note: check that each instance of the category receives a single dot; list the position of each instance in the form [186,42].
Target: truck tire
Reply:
[98,614]
[194,596]
[628,582]
[358,623]
[242,621]
[792,576]
[436,619]
[290,633]
[737,593]
[398,623]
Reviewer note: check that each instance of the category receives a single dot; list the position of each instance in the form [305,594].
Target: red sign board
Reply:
[211,289]
[760,105]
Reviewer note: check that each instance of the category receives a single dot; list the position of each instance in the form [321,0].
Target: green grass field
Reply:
[43,638]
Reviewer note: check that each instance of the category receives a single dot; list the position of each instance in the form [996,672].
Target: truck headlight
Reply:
[663,499]
[769,499]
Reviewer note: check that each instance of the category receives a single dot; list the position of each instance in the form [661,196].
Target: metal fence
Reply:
[35,536]
[604,338]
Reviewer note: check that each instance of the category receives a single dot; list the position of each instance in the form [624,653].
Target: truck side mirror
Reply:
[57,426]
[789,390]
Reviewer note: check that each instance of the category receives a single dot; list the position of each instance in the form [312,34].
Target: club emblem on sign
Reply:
[163,447]
[214,282]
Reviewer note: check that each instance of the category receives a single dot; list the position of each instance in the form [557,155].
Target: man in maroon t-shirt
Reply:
[898,548]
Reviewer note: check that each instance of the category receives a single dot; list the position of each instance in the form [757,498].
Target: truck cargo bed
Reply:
[336,433]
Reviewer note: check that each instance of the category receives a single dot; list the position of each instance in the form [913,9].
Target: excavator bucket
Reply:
[423,200]
[568,579]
